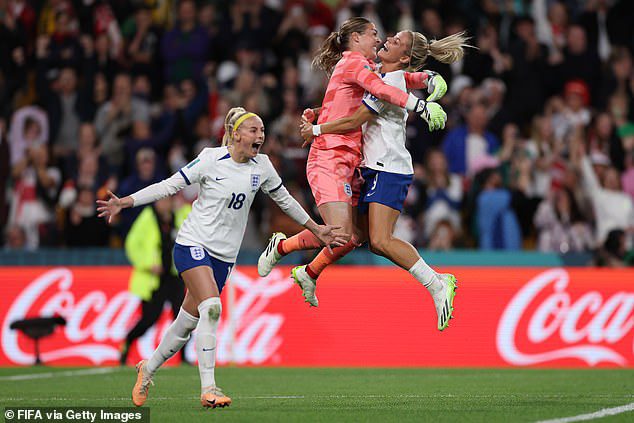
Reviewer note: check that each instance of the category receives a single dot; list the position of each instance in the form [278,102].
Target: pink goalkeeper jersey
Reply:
[351,77]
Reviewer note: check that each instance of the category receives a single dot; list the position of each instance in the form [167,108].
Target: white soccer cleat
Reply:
[307,284]
[443,299]
[269,257]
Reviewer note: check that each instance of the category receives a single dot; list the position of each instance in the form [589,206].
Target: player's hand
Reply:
[309,115]
[434,115]
[109,208]
[330,237]
[306,130]
[436,86]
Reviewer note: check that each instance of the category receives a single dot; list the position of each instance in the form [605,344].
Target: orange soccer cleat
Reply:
[142,385]
[213,397]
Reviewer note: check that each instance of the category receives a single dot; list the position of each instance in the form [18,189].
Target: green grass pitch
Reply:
[337,395]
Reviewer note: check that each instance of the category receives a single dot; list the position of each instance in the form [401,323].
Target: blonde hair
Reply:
[446,50]
[230,121]
[332,48]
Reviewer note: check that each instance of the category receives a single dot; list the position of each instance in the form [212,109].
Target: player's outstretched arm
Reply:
[113,205]
[338,126]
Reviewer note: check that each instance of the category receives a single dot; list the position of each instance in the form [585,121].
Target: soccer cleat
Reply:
[213,397]
[443,300]
[270,256]
[142,385]
[307,284]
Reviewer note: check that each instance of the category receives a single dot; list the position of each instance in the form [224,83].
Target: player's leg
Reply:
[202,285]
[174,339]
[175,294]
[382,220]
[336,185]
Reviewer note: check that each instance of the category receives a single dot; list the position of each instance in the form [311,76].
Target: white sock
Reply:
[426,275]
[210,310]
[175,338]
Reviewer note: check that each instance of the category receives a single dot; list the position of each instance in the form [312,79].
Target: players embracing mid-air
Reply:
[341,147]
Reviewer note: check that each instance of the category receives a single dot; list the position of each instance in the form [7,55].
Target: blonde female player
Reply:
[208,241]
[387,167]
[347,55]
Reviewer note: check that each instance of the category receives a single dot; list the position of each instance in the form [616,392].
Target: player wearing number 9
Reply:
[208,242]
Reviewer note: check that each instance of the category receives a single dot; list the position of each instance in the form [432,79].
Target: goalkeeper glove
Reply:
[431,112]
[436,86]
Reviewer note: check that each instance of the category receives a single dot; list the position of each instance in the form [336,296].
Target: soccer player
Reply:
[387,165]
[208,242]
[347,55]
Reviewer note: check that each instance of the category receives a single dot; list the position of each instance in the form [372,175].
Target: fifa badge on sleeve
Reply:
[255,182]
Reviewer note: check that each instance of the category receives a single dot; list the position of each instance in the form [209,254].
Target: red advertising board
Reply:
[367,316]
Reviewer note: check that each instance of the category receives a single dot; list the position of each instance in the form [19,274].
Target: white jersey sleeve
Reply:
[272,180]
[150,194]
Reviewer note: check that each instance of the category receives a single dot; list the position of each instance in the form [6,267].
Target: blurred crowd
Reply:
[538,152]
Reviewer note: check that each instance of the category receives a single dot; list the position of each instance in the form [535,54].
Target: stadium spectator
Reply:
[82,227]
[185,47]
[561,226]
[146,174]
[64,105]
[613,209]
[526,65]
[35,187]
[444,196]
[468,146]
[115,117]
[497,224]
[28,128]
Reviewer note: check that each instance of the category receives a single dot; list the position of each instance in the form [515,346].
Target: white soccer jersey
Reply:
[384,137]
[219,215]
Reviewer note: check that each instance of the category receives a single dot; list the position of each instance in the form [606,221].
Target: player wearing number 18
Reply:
[208,242]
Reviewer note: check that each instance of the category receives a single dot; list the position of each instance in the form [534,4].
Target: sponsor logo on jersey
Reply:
[197,253]
[255,181]
[347,189]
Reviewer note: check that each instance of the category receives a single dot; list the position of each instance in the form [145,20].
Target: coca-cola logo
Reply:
[579,325]
[97,321]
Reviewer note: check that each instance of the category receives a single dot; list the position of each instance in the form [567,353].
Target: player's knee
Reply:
[378,245]
[210,309]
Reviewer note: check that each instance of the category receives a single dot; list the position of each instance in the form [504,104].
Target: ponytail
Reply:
[332,48]
[446,50]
